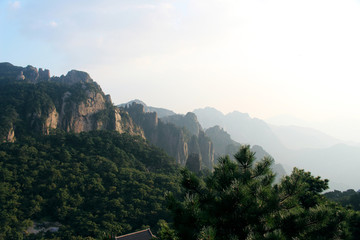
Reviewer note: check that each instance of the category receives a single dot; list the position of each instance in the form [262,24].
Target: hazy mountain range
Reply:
[292,146]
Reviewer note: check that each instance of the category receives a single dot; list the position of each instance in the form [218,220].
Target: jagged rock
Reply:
[172,138]
[75,76]
[75,103]
[147,120]
[51,121]
[44,75]
[10,137]
[189,121]
[108,98]
[206,150]
[31,73]
[223,144]
[124,123]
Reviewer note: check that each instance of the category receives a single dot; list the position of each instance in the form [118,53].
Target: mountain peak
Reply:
[75,76]
[239,114]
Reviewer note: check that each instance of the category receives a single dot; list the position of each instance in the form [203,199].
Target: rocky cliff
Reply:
[188,121]
[175,138]
[34,102]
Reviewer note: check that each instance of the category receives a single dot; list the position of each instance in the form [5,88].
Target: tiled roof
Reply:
[140,235]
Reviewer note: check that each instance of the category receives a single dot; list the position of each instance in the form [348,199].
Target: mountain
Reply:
[32,102]
[295,137]
[242,128]
[188,121]
[314,150]
[224,145]
[209,117]
[173,136]
[161,112]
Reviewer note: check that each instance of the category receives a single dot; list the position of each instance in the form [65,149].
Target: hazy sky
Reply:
[264,57]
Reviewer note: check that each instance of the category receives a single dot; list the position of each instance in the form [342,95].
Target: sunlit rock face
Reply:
[73,103]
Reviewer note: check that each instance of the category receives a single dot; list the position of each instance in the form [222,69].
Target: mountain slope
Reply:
[31,103]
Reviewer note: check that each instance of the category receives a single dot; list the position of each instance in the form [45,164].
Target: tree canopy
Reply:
[240,201]
[93,184]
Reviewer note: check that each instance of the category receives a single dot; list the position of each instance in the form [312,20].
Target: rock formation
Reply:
[173,135]
[73,103]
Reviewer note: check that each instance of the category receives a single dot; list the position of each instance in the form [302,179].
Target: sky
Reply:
[299,60]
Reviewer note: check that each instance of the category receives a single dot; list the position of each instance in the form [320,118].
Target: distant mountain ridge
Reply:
[242,128]
[320,153]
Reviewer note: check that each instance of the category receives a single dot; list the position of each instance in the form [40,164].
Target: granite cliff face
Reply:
[34,102]
[175,138]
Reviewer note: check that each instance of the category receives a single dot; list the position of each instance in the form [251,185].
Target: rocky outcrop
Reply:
[223,144]
[147,120]
[174,137]
[188,121]
[207,150]
[10,136]
[74,77]
[73,103]
[34,75]
[51,121]
[80,117]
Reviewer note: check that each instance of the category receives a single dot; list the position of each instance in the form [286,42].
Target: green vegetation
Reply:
[93,184]
[348,198]
[239,201]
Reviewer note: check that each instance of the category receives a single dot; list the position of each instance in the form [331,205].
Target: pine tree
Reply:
[239,200]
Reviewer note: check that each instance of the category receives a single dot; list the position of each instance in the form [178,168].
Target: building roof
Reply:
[140,235]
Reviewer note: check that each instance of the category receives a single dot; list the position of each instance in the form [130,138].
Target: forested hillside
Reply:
[90,184]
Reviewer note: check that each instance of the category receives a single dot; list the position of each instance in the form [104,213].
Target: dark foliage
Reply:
[239,201]
[93,184]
